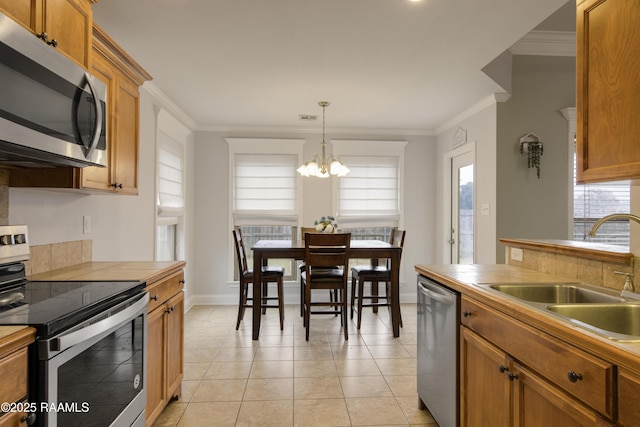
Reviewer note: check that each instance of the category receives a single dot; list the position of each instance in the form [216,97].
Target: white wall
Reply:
[214,251]
[480,125]
[122,227]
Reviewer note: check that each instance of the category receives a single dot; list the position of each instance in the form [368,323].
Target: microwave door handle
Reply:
[99,118]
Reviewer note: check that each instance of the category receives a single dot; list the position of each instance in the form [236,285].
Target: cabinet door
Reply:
[21,11]
[628,398]
[93,177]
[121,172]
[484,388]
[69,22]
[608,93]
[537,403]
[156,345]
[175,343]
[125,140]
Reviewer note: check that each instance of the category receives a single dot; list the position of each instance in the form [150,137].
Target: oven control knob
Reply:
[136,382]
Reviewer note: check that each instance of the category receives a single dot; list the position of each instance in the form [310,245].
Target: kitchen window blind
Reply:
[593,201]
[266,188]
[170,176]
[369,196]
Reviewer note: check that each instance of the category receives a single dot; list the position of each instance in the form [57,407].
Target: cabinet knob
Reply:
[155,298]
[30,418]
[512,377]
[53,43]
[116,185]
[466,313]
[502,369]
[182,282]
[44,36]
[574,376]
[170,309]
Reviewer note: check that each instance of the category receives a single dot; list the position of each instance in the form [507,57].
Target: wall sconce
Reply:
[531,145]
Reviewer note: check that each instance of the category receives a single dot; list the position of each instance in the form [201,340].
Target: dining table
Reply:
[294,249]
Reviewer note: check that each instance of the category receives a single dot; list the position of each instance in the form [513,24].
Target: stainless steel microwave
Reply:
[52,111]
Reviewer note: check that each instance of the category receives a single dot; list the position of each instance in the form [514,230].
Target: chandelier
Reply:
[321,165]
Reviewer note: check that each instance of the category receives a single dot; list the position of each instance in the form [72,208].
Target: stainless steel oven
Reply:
[87,366]
[94,373]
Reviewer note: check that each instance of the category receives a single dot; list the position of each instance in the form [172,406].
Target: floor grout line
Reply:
[325,344]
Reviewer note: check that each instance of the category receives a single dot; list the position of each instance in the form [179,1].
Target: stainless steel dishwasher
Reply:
[438,333]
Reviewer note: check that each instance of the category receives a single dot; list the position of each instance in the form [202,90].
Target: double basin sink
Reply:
[607,314]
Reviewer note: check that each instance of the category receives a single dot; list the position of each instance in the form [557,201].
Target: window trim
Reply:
[177,132]
[260,146]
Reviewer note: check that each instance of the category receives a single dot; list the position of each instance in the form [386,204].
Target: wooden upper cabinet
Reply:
[123,77]
[67,24]
[608,90]
[22,11]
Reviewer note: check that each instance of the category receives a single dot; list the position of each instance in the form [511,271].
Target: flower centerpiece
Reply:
[326,224]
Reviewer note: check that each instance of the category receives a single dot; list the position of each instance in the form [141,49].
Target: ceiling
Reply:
[384,65]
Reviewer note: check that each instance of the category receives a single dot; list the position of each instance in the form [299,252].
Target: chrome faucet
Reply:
[628,284]
[604,219]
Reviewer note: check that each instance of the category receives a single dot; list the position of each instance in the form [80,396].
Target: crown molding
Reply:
[547,43]
[299,130]
[492,99]
[169,105]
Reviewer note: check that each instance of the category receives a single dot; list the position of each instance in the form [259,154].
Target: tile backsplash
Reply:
[574,267]
[58,255]
[48,257]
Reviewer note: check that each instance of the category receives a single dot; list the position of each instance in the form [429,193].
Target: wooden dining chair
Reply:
[332,294]
[323,253]
[270,274]
[375,275]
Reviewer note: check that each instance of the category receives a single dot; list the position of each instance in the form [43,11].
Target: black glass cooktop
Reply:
[52,307]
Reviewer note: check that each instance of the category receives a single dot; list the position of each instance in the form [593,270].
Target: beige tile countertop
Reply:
[148,271]
[468,280]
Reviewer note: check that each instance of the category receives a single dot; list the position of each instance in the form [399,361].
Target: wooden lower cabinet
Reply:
[539,403]
[498,391]
[628,398]
[165,344]
[14,371]
[514,375]
[484,391]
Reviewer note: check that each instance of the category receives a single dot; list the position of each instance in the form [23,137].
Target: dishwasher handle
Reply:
[436,292]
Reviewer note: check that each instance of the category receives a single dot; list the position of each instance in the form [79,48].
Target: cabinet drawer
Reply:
[13,371]
[162,290]
[555,360]
[13,419]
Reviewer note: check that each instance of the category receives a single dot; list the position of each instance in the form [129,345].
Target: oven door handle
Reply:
[64,342]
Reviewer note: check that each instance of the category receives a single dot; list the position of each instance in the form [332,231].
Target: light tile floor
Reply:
[283,380]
